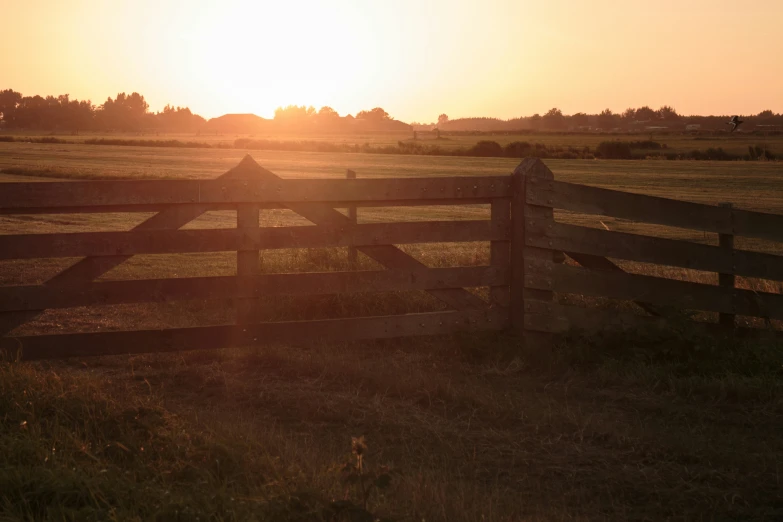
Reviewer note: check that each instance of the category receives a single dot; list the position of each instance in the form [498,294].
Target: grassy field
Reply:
[658,425]
[736,143]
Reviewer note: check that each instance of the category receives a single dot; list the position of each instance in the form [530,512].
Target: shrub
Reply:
[518,149]
[646,144]
[613,150]
[486,149]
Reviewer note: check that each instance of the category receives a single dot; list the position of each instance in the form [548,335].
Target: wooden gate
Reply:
[246,189]
[525,274]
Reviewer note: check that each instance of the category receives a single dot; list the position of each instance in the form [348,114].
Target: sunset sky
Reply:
[415,58]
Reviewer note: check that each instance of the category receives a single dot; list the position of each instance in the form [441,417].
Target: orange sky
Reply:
[415,58]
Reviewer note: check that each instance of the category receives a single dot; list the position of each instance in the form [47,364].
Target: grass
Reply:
[644,426]
[678,143]
[475,428]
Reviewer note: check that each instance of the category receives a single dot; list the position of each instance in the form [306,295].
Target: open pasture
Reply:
[677,142]
[473,427]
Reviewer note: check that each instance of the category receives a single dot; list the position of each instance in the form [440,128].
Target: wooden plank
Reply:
[247,260]
[39,297]
[758,224]
[566,318]
[601,263]
[658,291]
[336,191]
[353,254]
[218,240]
[726,242]
[500,252]
[672,252]
[388,255]
[209,337]
[129,209]
[638,207]
[657,210]
[518,241]
[108,209]
[528,173]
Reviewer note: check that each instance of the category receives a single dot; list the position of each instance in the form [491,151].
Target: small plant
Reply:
[359,485]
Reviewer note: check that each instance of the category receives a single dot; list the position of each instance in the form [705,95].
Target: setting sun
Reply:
[503,58]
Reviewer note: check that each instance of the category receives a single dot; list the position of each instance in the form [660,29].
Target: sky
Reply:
[415,58]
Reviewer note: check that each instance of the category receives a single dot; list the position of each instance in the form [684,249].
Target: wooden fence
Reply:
[523,274]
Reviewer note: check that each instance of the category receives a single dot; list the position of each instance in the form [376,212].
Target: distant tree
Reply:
[178,119]
[554,119]
[668,113]
[293,112]
[607,119]
[580,119]
[125,112]
[763,114]
[535,121]
[443,118]
[376,114]
[327,112]
[629,115]
[645,113]
[9,99]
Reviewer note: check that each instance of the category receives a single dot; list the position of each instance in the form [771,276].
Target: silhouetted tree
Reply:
[645,113]
[442,119]
[376,114]
[293,112]
[668,113]
[178,119]
[327,112]
[554,119]
[9,99]
[125,112]
[535,121]
[607,119]
[580,119]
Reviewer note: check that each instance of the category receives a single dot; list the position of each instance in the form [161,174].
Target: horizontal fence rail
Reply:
[667,301]
[524,284]
[221,240]
[164,192]
[655,290]
[655,210]
[216,207]
[671,252]
[210,337]
[38,297]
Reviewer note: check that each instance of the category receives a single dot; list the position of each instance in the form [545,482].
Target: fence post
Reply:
[531,309]
[726,241]
[353,254]
[499,251]
[247,260]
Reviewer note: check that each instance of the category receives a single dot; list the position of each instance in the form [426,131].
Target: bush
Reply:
[486,149]
[518,149]
[718,154]
[646,144]
[613,150]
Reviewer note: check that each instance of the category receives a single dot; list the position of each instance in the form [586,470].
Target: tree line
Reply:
[130,112]
[126,112]
[631,119]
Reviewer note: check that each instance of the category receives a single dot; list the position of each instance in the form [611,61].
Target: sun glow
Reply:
[416,59]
